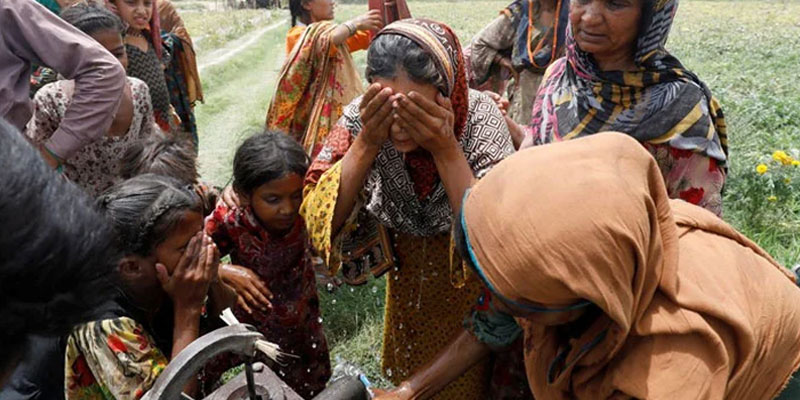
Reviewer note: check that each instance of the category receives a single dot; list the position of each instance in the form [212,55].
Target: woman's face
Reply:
[136,13]
[112,41]
[607,29]
[402,83]
[320,10]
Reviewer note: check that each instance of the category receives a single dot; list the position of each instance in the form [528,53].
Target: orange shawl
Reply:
[314,85]
[689,308]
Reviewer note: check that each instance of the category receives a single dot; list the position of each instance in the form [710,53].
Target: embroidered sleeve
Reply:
[491,327]
[112,358]
[690,176]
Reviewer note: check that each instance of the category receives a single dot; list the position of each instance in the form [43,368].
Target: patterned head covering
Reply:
[661,102]
[439,41]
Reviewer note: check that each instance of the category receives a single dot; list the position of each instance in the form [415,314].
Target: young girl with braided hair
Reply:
[96,167]
[167,263]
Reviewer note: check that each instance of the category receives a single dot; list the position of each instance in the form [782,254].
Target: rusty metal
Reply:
[257,382]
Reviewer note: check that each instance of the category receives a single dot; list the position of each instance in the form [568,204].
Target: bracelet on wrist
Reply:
[351,27]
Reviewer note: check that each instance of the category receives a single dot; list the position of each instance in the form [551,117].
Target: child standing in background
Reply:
[273,274]
[145,53]
[95,167]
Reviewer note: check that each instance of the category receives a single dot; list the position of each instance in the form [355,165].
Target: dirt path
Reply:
[226,53]
[238,84]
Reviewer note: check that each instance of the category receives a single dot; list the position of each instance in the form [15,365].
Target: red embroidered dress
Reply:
[294,322]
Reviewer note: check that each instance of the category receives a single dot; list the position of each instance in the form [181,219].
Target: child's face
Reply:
[140,272]
[169,251]
[276,203]
[136,13]
[112,41]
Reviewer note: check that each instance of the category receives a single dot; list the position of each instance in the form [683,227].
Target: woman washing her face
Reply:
[399,162]
[618,291]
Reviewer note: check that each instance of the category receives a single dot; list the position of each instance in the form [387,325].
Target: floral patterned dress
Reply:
[96,167]
[294,322]
[111,359]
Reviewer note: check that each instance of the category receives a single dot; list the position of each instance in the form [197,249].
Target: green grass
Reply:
[213,29]
[745,51]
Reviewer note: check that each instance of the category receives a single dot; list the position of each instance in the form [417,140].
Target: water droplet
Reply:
[400,326]
[319,319]
[396,277]
[308,370]
[374,289]
[313,345]
[389,372]
[282,373]
[352,290]
[329,287]
[333,301]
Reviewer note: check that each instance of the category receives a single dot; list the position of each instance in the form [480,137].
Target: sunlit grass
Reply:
[746,51]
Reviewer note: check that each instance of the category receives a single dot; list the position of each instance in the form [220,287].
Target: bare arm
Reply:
[367,22]
[376,109]
[355,167]
[453,361]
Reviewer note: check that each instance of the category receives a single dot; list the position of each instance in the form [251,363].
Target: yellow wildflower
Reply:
[782,157]
[761,169]
[795,162]
[772,198]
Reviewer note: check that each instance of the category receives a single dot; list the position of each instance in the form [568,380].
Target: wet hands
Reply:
[429,123]
[402,392]
[252,292]
[376,115]
[197,268]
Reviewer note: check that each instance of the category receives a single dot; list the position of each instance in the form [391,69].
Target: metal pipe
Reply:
[251,382]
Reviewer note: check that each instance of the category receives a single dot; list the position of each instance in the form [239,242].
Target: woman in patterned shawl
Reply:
[617,76]
[380,193]
[318,77]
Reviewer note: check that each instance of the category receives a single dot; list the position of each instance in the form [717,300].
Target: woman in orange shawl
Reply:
[318,77]
[620,292]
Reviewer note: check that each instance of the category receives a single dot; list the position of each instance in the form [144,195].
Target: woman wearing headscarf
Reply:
[381,191]
[618,76]
[620,292]
[318,78]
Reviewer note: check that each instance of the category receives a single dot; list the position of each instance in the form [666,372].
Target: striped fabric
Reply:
[661,103]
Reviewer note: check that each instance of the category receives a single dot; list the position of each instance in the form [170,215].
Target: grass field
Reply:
[746,51]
